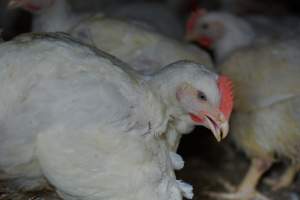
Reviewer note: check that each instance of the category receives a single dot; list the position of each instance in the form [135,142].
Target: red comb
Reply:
[192,20]
[225,87]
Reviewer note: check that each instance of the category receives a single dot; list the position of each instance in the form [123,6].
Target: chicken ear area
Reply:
[227,99]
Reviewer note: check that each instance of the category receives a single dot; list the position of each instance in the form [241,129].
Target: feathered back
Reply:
[264,74]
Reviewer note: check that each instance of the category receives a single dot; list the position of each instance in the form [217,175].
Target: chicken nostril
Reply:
[221,117]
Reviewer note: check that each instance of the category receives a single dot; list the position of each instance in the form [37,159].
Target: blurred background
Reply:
[206,161]
[18,21]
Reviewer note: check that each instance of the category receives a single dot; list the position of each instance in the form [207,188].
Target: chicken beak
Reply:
[12,4]
[219,128]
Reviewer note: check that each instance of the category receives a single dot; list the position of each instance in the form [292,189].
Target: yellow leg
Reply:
[247,189]
[257,168]
[286,179]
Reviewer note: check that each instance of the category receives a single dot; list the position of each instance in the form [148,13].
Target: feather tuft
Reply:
[227,99]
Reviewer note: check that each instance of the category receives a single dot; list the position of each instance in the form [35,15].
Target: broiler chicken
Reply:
[266,121]
[147,52]
[94,128]
[224,32]
[56,15]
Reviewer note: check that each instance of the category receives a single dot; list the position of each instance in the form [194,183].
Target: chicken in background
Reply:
[264,69]
[146,51]
[57,15]
[91,126]
[225,32]
[218,31]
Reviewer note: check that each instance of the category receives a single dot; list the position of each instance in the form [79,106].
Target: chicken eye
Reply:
[201,96]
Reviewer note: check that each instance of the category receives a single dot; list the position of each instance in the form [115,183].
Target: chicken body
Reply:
[146,51]
[55,18]
[266,121]
[67,118]
[264,68]
[264,73]
[57,15]
[143,48]
[88,124]
[224,32]
[267,114]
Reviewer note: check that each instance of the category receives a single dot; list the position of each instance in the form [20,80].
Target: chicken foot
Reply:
[247,189]
[286,179]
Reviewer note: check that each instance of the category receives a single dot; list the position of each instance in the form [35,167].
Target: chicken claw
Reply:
[233,195]
[285,180]
[247,189]
[238,196]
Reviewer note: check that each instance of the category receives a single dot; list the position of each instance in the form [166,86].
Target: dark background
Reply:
[14,22]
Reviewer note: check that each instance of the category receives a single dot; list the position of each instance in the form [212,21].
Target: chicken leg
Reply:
[286,179]
[246,190]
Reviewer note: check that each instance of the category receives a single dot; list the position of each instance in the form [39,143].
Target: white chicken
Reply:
[91,126]
[147,52]
[265,124]
[57,15]
[224,32]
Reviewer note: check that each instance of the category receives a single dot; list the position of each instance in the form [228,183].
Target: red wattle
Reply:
[196,118]
[205,41]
